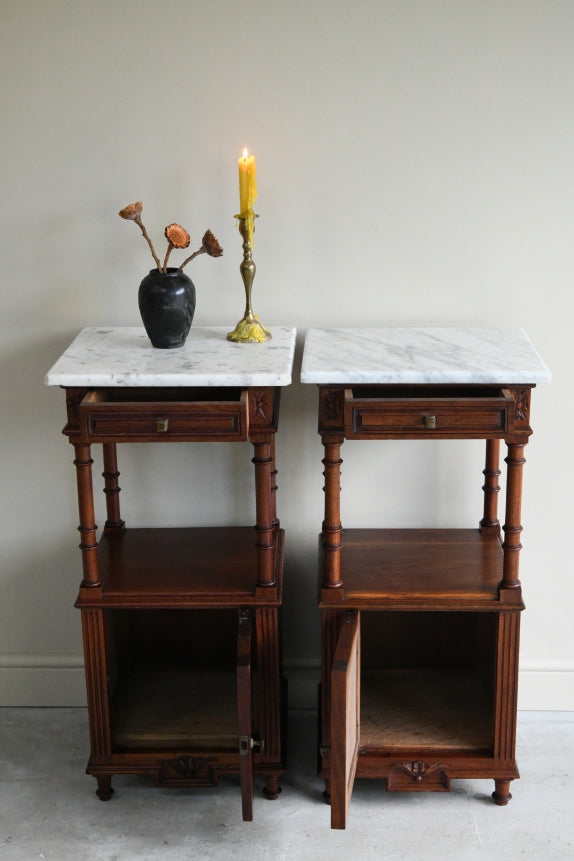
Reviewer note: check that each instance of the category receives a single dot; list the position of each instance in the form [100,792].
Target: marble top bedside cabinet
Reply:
[420,626]
[181,627]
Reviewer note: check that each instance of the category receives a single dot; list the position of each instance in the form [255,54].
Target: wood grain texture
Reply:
[87,528]
[245,711]
[422,567]
[345,717]
[94,636]
[187,566]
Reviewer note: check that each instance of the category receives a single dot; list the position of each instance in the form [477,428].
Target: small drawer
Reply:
[164,415]
[416,413]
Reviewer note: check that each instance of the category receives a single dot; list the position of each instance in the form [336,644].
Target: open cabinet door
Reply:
[244,713]
[345,717]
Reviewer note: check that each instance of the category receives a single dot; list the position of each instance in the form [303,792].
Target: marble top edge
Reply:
[123,356]
[431,355]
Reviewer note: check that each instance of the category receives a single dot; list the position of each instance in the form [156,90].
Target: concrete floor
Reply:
[48,808]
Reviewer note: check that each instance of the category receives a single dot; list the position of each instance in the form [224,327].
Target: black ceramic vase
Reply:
[167,305]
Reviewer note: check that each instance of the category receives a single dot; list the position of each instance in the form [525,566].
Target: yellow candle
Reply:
[247,190]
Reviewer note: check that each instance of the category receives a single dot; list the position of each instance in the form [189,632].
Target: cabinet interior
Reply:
[427,681]
[172,681]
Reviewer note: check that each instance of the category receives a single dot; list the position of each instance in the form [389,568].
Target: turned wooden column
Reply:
[264,525]
[491,487]
[112,489]
[274,488]
[512,527]
[332,529]
[87,528]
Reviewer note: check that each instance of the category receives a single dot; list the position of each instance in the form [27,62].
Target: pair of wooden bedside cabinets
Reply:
[420,627]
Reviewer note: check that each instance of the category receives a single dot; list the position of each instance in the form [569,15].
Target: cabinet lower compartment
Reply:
[419,710]
[417,698]
[175,708]
[172,679]
[427,681]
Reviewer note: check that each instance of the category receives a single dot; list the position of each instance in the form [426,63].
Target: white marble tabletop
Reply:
[421,355]
[123,356]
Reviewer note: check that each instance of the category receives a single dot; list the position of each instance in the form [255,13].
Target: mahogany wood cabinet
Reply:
[420,627]
[180,625]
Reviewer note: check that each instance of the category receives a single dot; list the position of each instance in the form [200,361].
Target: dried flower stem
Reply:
[149,242]
[191,256]
[170,248]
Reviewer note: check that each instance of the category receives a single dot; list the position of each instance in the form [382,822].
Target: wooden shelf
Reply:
[179,567]
[419,569]
[172,708]
[422,710]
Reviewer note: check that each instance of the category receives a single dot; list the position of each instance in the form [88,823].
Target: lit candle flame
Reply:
[245,152]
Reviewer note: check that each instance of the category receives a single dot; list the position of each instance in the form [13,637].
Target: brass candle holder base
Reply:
[249,330]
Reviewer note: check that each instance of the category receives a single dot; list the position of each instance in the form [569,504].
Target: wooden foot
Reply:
[104,790]
[271,789]
[501,794]
[327,792]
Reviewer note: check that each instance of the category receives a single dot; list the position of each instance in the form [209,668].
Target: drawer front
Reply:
[102,420]
[372,418]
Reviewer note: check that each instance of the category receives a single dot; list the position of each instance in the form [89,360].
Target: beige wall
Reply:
[415,166]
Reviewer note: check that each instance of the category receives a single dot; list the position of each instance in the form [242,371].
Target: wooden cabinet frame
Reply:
[225,570]
[443,578]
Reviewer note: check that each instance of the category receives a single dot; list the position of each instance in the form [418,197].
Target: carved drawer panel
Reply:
[164,415]
[385,412]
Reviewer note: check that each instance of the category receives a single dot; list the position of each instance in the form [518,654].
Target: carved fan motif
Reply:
[259,404]
[190,766]
[418,769]
[522,404]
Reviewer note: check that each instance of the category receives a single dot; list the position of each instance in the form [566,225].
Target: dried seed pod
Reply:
[210,244]
[131,212]
[177,236]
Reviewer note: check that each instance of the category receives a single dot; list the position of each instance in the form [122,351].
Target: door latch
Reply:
[246,744]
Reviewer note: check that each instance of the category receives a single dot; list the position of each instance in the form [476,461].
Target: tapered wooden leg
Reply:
[327,791]
[512,527]
[264,512]
[332,529]
[271,790]
[104,790]
[112,489]
[490,487]
[501,794]
[87,528]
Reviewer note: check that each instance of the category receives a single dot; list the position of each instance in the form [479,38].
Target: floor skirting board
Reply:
[58,680]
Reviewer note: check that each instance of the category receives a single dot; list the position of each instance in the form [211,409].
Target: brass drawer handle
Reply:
[162,425]
[430,422]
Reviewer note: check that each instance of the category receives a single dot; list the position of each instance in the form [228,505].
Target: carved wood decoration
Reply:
[419,776]
[187,770]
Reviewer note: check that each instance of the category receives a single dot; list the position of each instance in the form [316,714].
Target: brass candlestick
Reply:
[249,330]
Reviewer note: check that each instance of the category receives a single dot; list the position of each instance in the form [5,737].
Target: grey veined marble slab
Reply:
[123,356]
[421,355]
